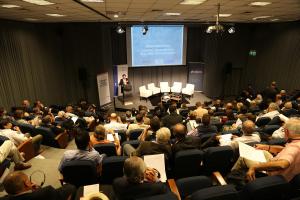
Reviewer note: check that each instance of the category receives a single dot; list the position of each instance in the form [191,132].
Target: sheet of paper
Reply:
[88,189]
[110,137]
[239,122]
[158,162]
[226,137]
[74,119]
[251,153]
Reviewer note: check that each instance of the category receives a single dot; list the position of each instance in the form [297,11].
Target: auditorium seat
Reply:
[144,93]
[109,149]
[79,173]
[189,89]
[135,133]
[50,139]
[153,88]
[167,196]
[164,87]
[224,192]
[112,167]
[177,87]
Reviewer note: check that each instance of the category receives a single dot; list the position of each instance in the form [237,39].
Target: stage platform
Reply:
[134,101]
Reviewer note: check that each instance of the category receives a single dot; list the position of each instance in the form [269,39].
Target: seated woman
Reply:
[138,181]
[100,137]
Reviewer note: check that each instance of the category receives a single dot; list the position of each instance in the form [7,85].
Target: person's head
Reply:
[172,108]
[139,118]
[17,182]
[124,76]
[248,127]
[206,119]
[292,128]
[113,117]
[192,115]
[198,104]
[19,114]
[272,107]
[282,92]
[179,131]
[99,132]
[128,114]
[82,139]
[123,119]
[273,84]
[5,124]
[61,114]
[134,169]
[229,106]
[95,196]
[155,124]
[288,105]
[143,113]
[26,103]
[230,115]
[46,119]
[163,135]
[69,109]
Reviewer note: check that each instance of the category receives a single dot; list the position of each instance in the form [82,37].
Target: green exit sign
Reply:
[252,53]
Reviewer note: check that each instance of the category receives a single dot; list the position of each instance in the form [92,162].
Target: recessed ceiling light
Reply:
[39,2]
[260,17]
[55,15]
[9,6]
[116,16]
[192,2]
[31,19]
[260,3]
[224,15]
[172,14]
[93,1]
[274,20]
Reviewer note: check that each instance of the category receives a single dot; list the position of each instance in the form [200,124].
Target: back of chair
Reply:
[142,88]
[112,167]
[122,135]
[188,163]
[218,159]
[267,188]
[134,143]
[224,192]
[80,172]
[109,149]
[187,186]
[135,133]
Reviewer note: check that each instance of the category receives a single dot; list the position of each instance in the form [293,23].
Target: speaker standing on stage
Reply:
[124,81]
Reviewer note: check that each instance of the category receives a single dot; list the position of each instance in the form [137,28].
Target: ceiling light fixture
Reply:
[119,29]
[172,14]
[10,6]
[231,30]
[55,15]
[116,15]
[192,2]
[260,3]
[39,2]
[93,1]
[224,15]
[145,29]
[274,20]
[260,17]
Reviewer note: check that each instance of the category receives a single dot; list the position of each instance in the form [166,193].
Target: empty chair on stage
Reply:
[153,88]
[164,87]
[189,89]
[177,87]
[144,93]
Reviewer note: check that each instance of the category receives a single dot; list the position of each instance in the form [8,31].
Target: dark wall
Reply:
[278,56]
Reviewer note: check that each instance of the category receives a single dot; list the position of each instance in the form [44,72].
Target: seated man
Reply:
[203,128]
[183,142]
[138,125]
[48,121]
[136,182]
[18,186]
[8,149]
[173,118]
[285,163]
[161,145]
[17,137]
[249,135]
[100,137]
[84,151]
[114,124]
[272,111]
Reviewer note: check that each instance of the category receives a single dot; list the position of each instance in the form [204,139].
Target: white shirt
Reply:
[245,139]
[271,114]
[16,137]
[279,133]
[115,126]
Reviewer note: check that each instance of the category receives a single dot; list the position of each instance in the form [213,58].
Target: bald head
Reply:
[248,127]
[16,183]
[288,105]
[179,131]
[113,117]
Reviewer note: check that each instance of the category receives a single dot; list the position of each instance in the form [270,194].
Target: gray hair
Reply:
[273,106]
[293,125]
[134,169]
[163,135]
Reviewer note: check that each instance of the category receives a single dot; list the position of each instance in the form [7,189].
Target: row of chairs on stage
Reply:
[165,88]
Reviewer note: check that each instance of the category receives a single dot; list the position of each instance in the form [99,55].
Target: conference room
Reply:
[179,91]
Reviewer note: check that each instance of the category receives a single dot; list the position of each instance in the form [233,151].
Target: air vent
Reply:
[247,13]
[156,10]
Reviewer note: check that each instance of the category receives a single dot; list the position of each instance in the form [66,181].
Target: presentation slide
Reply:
[161,45]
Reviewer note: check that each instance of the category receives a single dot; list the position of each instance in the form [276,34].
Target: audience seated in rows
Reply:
[173,118]
[114,123]
[138,125]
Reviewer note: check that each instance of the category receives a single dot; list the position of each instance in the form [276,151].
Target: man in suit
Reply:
[18,186]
